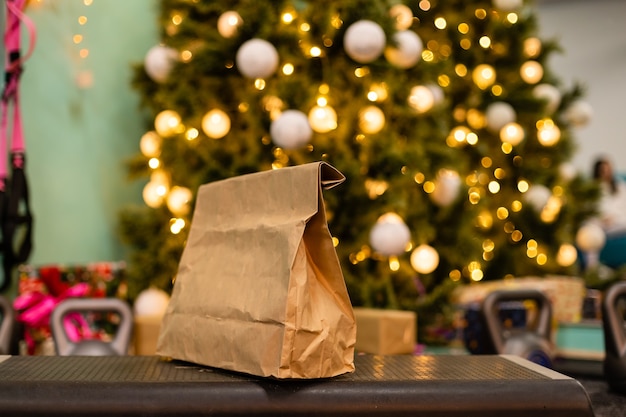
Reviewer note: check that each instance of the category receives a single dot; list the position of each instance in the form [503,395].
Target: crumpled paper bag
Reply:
[259,287]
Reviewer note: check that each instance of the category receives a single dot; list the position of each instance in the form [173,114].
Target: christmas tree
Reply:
[451,130]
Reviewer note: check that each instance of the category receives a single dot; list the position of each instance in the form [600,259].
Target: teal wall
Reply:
[78,138]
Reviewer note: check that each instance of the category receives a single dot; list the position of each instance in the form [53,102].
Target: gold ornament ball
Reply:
[150,144]
[531,72]
[512,133]
[421,98]
[371,120]
[323,119]
[216,124]
[566,255]
[402,16]
[153,194]
[484,76]
[178,200]
[167,123]
[228,23]
[424,259]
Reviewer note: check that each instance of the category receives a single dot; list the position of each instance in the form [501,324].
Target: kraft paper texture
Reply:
[259,287]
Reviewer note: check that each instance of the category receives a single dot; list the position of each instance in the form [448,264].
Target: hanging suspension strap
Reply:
[15,215]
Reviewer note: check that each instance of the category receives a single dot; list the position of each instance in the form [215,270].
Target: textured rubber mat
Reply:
[401,385]
[153,369]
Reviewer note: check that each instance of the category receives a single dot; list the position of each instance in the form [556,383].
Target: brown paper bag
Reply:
[259,286]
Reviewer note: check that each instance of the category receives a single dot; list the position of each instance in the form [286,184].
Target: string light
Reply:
[154,163]
[548,133]
[192,133]
[484,42]
[84,77]
[288,69]
[315,51]
[177,226]
[288,17]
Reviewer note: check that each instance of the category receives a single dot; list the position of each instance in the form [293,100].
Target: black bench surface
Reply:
[398,385]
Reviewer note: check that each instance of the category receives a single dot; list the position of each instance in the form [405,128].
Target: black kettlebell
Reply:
[614,338]
[531,342]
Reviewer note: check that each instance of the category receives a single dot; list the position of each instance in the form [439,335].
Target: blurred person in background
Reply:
[612,203]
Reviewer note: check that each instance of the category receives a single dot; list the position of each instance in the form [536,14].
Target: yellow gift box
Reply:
[385,332]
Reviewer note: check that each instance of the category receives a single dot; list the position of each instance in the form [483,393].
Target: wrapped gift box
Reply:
[385,332]
[565,293]
[146,334]
[41,288]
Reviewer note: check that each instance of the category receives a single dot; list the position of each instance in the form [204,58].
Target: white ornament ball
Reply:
[364,41]
[508,5]
[579,113]
[590,237]
[151,302]
[228,23]
[447,187]
[567,171]
[438,93]
[550,94]
[421,98]
[537,196]
[216,124]
[291,130]
[159,62]
[499,114]
[425,259]
[257,58]
[406,51]
[390,235]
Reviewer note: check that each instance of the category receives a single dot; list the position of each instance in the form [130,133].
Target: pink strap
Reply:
[15,17]
[13,69]
[17,145]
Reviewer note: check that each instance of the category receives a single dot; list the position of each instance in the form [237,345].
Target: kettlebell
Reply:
[116,347]
[7,315]
[614,338]
[531,342]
